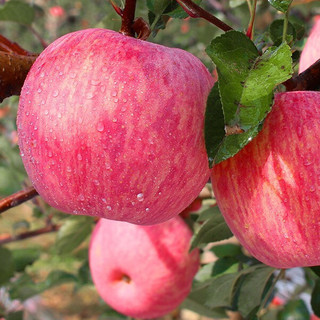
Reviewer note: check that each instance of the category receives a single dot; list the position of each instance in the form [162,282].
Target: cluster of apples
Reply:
[112,126]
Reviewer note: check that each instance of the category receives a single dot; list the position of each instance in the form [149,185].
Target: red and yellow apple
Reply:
[142,271]
[269,193]
[311,51]
[112,126]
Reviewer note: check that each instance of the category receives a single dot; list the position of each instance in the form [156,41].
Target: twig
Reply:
[17,198]
[253,10]
[128,18]
[194,11]
[30,234]
[306,80]
[38,36]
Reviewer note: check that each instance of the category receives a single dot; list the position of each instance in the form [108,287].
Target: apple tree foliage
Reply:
[41,248]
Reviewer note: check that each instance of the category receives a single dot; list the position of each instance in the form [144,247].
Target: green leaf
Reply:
[221,290]
[25,288]
[223,264]
[73,232]
[191,303]
[295,309]
[227,250]
[214,123]
[252,289]
[246,83]
[315,298]
[6,265]
[276,31]
[17,11]
[24,257]
[15,315]
[215,229]
[84,275]
[281,5]
[316,270]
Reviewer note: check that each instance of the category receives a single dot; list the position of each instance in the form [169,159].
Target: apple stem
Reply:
[306,80]
[29,234]
[127,17]
[17,198]
[195,11]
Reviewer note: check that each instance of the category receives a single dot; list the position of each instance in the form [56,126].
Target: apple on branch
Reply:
[269,191]
[142,271]
[112,126]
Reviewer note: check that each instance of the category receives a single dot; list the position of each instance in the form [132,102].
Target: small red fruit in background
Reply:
[142,271]
[57,11]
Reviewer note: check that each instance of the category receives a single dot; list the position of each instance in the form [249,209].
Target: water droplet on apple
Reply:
[312,188]
[140,197]
[79,157]
[89,95]
[69,169]
[114,93]
[46,112]
[55,93]
[59,115]
[100,127]
[39,90]
[95,82]
[72,75]
[49,154]
[147,209]
[104,200]
[96,182]
[27,113]
[81,197]
[109,208]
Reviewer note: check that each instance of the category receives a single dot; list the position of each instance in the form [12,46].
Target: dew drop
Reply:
[55,93]
[46,112]
[114,93]
[96,182]
[39,90]
[59,115]
[89,95]
[140,197]
[100,127]
[81,197]
[79,157]
[95,82]
[147,209]
[104,200]
[49,154]
[69,169]
[109,208]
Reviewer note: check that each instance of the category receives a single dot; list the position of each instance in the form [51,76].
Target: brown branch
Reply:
[128,18]
[194,11]
[307,80]
[13,71]
[29,234]
[17,198]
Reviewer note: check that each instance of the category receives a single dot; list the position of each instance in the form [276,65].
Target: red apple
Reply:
[311,51]
[112,126]
[142,271]
[269,193]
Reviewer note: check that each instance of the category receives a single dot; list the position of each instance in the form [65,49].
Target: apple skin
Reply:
[142,271]
[112,126]
[269,193]
[311,51]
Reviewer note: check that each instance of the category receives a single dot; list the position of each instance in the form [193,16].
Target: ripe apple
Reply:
[142,271]
[269,193]
[311,51]
[112,126]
